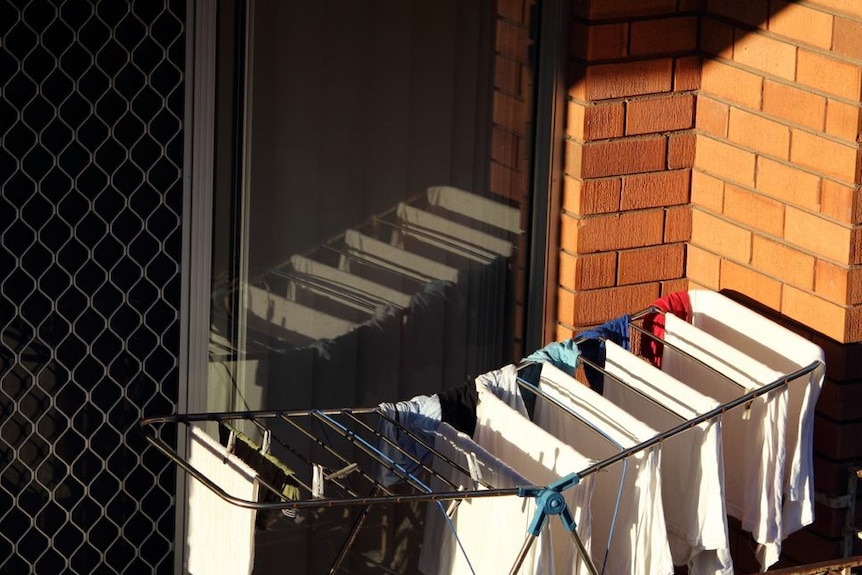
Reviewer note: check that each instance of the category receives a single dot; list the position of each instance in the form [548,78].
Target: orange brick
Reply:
[654,190]
[591,196]
[577,74]
[681,148]
[838,440]
[511,113]
[707,191]
[664,36]
[712,116]
[607,41]
[847,40]
[511,40]
[801,23]
[830,282]
[687,73]
[702,267]
[576,114]
[849,7]
[595,270]
[677,224]
[818,235]
[788,183]
[856,245]
[844,203]
[606,81]
[720,236]
[753,210]
[511,9]
[574,158]
[565,305]
[598,306]
[670,286]
[793,104]
[829,75]
[716,38]
[854,286]
[599,9]
[749,282]
[823,155]
[767,54]
[724,160]
[604,121]
[674,112]
[624,156]
[569,233]
[566,269]
[620,231]
[732,83]
[814,312]
[651,264]
[782,262]
[853,325]
[505,147]
[751,12]
[843,120]
[563,333]
[508,183]
[759,133]
[507,75]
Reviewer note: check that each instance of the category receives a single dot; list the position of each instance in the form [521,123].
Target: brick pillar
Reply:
[630,148]
[777,207]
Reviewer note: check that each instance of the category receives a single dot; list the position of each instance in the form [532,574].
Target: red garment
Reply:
[677,303]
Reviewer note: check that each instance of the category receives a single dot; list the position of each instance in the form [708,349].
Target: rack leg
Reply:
[522,554]
[582,551]
[360,521]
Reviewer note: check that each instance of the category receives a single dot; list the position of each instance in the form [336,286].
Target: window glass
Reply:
[371,178]
[372,169]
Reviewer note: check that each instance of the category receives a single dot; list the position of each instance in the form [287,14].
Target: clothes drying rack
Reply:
[352,444]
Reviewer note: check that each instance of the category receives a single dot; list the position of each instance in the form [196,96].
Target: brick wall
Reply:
[715,143]
[776,205]
[775,196]
[629,153]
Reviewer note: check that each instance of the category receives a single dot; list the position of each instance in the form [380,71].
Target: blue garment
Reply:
[593,347]
[421,415]
[564,354]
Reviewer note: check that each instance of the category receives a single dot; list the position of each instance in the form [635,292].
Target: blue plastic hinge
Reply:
[550,501]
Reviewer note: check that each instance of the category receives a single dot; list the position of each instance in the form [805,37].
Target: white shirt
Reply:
[543,459]
[753,435]
[786,352]
[692,468]
[490,530]
[636,530]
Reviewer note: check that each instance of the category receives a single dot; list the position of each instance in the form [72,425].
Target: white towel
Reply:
[220,537]
[786,352]
[753,435]
[541,458]
[692,469]
[501,520]
[639,543]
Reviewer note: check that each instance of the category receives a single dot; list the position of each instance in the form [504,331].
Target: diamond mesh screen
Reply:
[91,101]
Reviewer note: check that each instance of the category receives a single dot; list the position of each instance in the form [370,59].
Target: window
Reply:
[372,175]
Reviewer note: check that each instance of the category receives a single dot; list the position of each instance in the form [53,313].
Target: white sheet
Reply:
[786,352]
[477,521]
[692,469]
[543,459]
[220,536]
[639,543]
[753,435]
